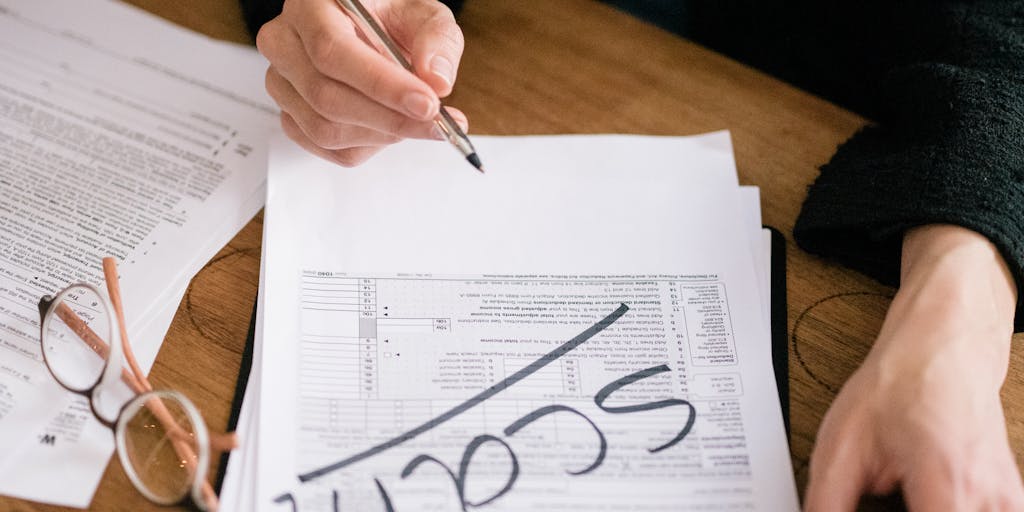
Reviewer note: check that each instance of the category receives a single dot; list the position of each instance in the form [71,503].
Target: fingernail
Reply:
[443,68]
[460,120]
[419,105]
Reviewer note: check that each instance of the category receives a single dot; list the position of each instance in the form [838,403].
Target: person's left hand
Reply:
[923,411]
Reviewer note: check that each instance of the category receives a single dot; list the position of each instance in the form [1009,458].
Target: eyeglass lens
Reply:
[75,331]
[159,445]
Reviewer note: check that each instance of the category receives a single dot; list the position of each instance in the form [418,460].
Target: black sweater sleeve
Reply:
[258,12]
[944,82]
[948,146]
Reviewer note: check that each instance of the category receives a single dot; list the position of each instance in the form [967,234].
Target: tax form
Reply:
[120,135]
[579,329]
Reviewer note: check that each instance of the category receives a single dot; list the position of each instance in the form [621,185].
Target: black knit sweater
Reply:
[942,80]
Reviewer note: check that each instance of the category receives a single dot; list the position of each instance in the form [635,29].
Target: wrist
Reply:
[954,308]
[958,272]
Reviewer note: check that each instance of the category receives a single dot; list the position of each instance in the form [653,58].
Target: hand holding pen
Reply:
[344,100]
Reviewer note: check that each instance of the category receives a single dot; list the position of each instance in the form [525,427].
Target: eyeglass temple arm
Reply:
[136,379]
[114,292]
[86,334]
[179,439]
[218,442]
[138,383]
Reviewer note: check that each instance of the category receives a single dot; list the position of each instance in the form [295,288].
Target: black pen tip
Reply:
[475,160]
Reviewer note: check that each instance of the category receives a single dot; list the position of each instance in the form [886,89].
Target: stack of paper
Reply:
[582,328]
[120,135]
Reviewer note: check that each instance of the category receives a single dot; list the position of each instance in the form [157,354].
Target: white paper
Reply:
[120,135]
[471,278]
[750,199]
[237,492]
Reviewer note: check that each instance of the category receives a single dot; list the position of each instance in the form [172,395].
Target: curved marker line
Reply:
[384,496]
[545,360]
[287,497]
[622,382]
[519,424]
[467,456]
[420,459]
[618,384]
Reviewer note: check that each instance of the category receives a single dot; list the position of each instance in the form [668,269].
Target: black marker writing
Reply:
[518,425]
[544,360]
[388,507]
[287,498]
[618,384]
[460,479]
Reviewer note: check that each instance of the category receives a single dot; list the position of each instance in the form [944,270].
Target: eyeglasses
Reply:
[161,438]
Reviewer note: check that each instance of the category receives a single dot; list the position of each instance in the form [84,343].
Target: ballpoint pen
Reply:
[444,121]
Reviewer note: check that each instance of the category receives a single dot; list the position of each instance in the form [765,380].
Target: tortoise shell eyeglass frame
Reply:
[182,441]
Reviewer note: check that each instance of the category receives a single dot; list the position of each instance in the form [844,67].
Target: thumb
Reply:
[433,39]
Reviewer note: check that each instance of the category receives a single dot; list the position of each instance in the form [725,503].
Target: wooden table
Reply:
[577,66]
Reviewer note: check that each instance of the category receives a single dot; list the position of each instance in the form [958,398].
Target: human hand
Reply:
[340,98]
[923,411]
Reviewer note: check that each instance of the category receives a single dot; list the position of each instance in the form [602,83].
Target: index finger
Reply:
[333,44]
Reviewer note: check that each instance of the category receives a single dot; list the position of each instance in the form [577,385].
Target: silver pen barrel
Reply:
[373,31]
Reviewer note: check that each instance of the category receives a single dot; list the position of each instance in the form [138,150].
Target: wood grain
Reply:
[578,66]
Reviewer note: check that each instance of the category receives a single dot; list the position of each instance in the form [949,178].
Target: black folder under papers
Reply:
[779,340]
[779,322]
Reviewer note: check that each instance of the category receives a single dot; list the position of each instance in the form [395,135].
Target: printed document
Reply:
[120,135]
[579,329]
